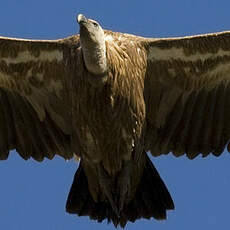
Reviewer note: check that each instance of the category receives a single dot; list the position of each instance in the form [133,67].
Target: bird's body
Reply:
[112,122]
[108,98]
[105,103]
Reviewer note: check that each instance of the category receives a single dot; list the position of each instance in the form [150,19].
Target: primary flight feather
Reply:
[108,98]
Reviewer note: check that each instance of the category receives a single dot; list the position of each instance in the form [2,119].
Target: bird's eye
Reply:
[95,24]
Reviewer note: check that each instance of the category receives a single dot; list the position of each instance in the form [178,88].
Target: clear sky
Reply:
[33,195]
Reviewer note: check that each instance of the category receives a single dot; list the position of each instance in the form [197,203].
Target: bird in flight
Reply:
[108,98]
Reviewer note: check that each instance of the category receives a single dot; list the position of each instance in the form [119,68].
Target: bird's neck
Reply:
[94,54]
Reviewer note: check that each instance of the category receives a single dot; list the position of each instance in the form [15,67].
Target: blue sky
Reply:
[33,195]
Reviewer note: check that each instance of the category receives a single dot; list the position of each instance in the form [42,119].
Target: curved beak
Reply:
[81,19]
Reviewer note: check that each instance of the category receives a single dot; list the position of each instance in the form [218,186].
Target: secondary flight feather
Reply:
[108,98]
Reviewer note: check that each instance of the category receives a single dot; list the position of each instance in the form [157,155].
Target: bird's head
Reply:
[92,41]
[90,29]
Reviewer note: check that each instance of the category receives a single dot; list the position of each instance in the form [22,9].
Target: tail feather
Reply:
[152,199]
[80,201]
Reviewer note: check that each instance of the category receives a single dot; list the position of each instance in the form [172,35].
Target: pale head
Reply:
[92,41]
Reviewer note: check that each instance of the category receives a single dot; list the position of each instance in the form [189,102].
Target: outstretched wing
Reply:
[187,92]
[35,105]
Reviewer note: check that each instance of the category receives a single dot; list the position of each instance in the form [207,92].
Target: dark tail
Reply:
[152,199]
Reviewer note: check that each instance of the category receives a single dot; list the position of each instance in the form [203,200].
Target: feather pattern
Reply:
[194,117]
[35,106]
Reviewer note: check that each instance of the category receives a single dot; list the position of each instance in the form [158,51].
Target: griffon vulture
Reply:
[108,98]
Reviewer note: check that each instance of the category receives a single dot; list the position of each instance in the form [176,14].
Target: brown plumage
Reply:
[108,98]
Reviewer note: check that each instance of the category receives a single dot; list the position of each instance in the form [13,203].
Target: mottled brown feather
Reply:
[35,89]
[197,68]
